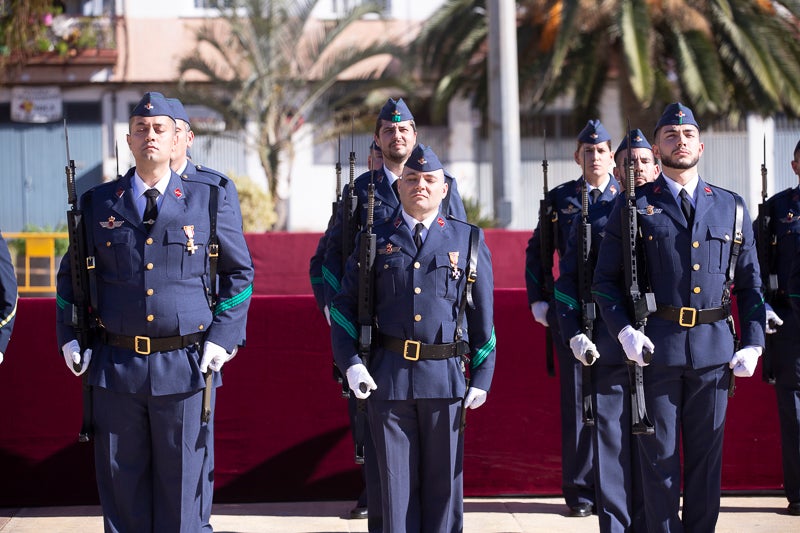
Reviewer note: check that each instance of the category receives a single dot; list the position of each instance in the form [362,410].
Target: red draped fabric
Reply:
[281,424]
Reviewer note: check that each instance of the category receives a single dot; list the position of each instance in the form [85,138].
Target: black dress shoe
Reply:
[794,509]
[358,512]
[580,510]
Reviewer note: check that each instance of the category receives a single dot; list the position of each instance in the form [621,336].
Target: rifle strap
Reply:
[90,260]
[471,276]
[736,247]
[213,246]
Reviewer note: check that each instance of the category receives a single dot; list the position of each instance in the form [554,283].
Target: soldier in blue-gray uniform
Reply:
[618,491]
[396,136]
[187,169]
[783,210]
[148,234]
[414,380]
[687,239]
[374,162]
[182,164]
[8,297]
[593,154]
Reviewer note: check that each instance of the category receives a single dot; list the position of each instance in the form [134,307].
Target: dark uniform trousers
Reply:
[415,411]
[618,502]
[577,446]
[153,461]
[686,384]
[784,210]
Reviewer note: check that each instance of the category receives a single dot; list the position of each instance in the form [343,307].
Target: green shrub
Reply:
[258,209]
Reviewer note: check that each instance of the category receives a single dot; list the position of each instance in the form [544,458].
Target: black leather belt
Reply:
[415,350]
[689,317]
[147,345]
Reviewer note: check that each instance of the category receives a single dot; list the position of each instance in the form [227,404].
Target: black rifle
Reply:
[350,214]
[641,304]
[585,301]
[547,245]
[78,314]
[765,248]
[366,311]
[337,374]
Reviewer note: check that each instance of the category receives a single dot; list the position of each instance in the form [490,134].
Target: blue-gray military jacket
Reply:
[8,295]
[386,203]
[783,210]
[567,296]
[566,202]
[153,285]
[417,297]
[686,267]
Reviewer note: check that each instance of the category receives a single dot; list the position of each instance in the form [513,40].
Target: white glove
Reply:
[327,314]
[475,398]
[580,344]
[360,382]
[214,356]
[539,310]
[744,361]
[633,342]
[1,357]
[773,320]
[72,354]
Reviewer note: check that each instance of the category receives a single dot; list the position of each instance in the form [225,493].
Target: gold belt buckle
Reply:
[416,346]
[137,340]
[693,313]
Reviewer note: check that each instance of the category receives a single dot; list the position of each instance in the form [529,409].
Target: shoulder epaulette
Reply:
[223,179]
[723,189]
[364,178]
[780,194]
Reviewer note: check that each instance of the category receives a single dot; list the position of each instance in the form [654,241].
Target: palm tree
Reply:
[267,65]
[720,57]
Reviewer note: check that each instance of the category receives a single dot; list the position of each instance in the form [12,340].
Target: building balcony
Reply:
[66,39]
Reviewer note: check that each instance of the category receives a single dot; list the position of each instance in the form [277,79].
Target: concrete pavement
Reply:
[483,515]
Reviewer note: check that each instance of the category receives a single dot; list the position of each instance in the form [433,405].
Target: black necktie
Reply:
[151,209]
[418,234]
[595,193]
[394,188]
[686,206]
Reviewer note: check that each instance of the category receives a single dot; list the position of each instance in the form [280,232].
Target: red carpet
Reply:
[282,429]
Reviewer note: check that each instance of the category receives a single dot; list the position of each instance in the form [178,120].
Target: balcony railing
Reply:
[66,39]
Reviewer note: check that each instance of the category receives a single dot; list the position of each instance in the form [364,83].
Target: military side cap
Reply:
[593,133]
[153,105]
[638,140]
[676,114]
[796,148]
[178,111]
[395,111]
[423,159]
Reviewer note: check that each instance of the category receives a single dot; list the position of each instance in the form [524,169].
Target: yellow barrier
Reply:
[38,245]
